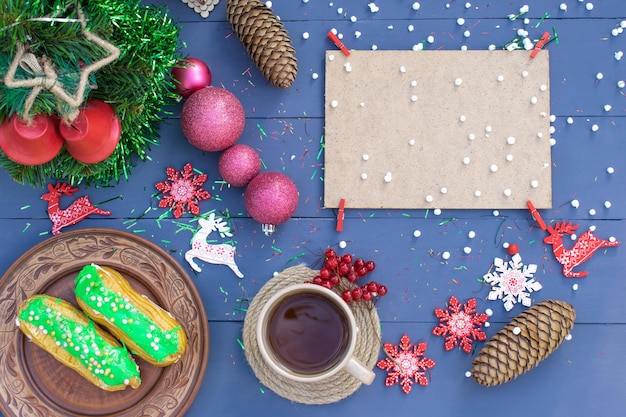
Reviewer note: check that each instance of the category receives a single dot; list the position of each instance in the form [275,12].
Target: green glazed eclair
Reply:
[145,328]
[77,342]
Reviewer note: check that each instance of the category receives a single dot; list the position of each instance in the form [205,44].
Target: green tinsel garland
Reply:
[137,85]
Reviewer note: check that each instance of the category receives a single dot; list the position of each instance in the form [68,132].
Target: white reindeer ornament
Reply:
[221,254]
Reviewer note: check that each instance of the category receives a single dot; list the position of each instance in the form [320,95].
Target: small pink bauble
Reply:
[212,119]
[271,198]
[239,164]
[190,75]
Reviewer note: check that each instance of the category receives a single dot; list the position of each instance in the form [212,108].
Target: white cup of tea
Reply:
[307,333]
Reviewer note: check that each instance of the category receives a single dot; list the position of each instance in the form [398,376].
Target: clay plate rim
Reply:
[166,392]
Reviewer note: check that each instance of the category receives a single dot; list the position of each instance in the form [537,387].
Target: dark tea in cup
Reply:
[308,333]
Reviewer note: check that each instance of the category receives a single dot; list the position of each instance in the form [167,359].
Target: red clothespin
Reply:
[338,42]
[544,38]
[340,214]
[536,216]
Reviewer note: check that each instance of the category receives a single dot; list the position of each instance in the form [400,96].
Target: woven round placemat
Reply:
[333,389]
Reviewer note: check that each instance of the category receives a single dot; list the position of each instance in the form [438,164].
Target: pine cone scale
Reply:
[265,39]
[542,328]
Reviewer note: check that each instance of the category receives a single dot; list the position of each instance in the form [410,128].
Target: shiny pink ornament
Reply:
[32,143]
[94,134]
[212,119]
[239,164]
[190,75]
[271,198]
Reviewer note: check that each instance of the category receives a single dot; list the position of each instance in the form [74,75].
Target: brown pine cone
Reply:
[507,355]
[266,40]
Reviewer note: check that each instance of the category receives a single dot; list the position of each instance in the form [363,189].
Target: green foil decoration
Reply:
[137,85]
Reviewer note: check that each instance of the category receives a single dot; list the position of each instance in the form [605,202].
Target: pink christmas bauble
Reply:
[212,119]
[239,164]
[190,75]
[271,198]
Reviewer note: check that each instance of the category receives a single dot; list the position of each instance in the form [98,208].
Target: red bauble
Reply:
[33,143]
[94,134]
[239,164]
[190,75]
[212,119]
[271,198]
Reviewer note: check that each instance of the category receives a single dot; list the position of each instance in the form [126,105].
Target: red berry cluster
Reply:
[336,267]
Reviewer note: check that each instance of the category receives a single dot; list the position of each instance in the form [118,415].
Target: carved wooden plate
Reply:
[33,383]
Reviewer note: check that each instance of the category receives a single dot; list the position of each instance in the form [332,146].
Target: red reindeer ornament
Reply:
[76,212]
[583,249]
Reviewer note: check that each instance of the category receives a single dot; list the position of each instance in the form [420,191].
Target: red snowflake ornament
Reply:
[460,324]
[408,364]
[183,190]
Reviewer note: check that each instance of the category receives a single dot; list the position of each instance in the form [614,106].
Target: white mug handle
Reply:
[359,371]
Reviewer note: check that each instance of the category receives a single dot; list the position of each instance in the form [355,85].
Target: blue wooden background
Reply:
[585,376]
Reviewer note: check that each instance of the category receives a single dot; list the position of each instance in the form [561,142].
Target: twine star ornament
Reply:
[48,76]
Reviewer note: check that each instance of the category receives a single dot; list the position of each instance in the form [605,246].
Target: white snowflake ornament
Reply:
[512,281]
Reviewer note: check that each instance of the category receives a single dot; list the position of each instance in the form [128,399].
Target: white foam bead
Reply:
[489,312]
[589,6]
[516,330]
[467,250]
[468,374]
[575,203]
[417,233]
[429,198]
[445,255]
[575,287]
[343,244]
[437,212]
[460,21]
[607,204]
[415,6]
[592,212]
[610,170]
[458,81]
[471,234]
